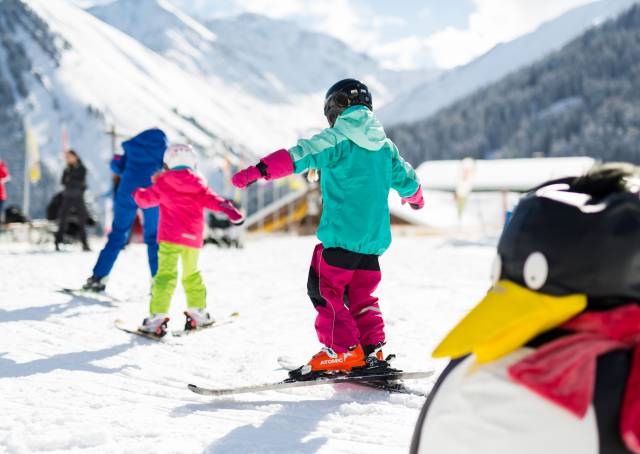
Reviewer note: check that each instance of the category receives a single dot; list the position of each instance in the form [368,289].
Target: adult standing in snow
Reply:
[140,158]
[359,166]
[74,180]
[4,177]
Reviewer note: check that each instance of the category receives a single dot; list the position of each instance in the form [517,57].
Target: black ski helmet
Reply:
[578,235]
[343,94]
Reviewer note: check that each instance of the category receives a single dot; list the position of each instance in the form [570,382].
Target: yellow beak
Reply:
[507,317]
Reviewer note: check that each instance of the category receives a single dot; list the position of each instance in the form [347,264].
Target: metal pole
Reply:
[113,139]
[260,195]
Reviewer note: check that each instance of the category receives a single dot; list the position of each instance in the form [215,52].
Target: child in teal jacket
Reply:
[358,165]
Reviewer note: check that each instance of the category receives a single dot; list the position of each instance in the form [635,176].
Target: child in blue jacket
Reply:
[141,159]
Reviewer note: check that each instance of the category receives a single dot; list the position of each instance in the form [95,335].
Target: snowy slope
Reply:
[428,98]
[263,71]
[71,382]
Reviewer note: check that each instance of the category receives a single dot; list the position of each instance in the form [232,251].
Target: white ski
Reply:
[344,378]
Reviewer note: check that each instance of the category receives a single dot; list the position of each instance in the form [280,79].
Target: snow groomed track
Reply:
[72,382]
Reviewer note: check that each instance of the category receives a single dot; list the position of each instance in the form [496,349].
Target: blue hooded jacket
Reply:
[142,158]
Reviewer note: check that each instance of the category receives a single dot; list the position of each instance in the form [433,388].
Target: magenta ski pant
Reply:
[340,286]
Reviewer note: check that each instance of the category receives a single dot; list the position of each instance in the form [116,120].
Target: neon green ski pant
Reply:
[166,279]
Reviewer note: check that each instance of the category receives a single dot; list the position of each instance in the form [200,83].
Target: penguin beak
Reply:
[508,316]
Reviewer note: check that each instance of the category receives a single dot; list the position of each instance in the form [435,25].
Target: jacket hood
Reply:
[183,181]
[154,140]
[361,126]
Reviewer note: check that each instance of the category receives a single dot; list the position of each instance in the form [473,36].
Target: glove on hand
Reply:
[415,201]
[276,165]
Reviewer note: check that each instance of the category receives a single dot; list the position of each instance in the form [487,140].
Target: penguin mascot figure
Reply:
[549,361]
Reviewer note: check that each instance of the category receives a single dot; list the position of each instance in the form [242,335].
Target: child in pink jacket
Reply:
[182,196]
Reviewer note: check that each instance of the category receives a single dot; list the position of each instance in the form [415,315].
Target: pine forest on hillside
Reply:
[581,100]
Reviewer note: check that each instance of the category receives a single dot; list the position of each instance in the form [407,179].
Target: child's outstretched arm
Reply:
[405,181]
[147,197]
[315,153]
[216,203]
[273,166]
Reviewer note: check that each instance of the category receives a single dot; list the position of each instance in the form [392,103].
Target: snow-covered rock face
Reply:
[302,62]
[28,49]
[63,68]
[430,97]
[235,86]
[269,58]
[267,72]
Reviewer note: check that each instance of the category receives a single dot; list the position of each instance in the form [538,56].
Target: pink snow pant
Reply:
[340,286]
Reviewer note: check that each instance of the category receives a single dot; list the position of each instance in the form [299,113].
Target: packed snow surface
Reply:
[71,382]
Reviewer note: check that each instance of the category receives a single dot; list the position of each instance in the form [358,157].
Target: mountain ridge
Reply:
[580,100]
[426,99]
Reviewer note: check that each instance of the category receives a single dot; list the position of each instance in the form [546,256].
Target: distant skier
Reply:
[141,159]
[4,177]
[359,165]
[74,180]
[182,196]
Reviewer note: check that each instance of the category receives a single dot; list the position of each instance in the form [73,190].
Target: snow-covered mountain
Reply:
[241,85]
[578,101]
[262,70]
[62,67]
[431,96]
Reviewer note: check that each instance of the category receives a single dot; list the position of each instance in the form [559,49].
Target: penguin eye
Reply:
[496,269]
[536,270]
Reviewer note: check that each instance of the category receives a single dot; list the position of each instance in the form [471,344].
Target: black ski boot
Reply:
[95,284]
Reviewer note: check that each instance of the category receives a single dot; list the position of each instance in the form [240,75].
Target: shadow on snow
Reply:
[286,430]
[40,313]
[75,361]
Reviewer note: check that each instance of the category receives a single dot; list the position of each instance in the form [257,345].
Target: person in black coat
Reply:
[72,207]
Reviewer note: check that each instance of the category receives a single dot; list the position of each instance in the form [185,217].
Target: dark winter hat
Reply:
[578,236]
[344,94]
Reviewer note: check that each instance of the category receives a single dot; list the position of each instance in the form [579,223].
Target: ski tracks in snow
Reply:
[72,382]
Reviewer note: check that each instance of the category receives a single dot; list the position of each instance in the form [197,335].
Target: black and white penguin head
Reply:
[571,245]
[577,236]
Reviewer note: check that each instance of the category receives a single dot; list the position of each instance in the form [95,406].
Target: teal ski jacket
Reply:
[359,165]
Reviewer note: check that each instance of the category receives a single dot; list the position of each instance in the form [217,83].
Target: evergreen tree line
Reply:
[581,100]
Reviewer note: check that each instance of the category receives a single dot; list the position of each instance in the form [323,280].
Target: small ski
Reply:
[288,363]
[122,325]
[291,383]
[214,324]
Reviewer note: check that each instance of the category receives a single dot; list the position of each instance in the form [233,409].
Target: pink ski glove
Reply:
[415,201]
[232,212]
[275,165]
[246,177]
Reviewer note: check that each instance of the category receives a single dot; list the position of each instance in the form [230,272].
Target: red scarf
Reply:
[564,371]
